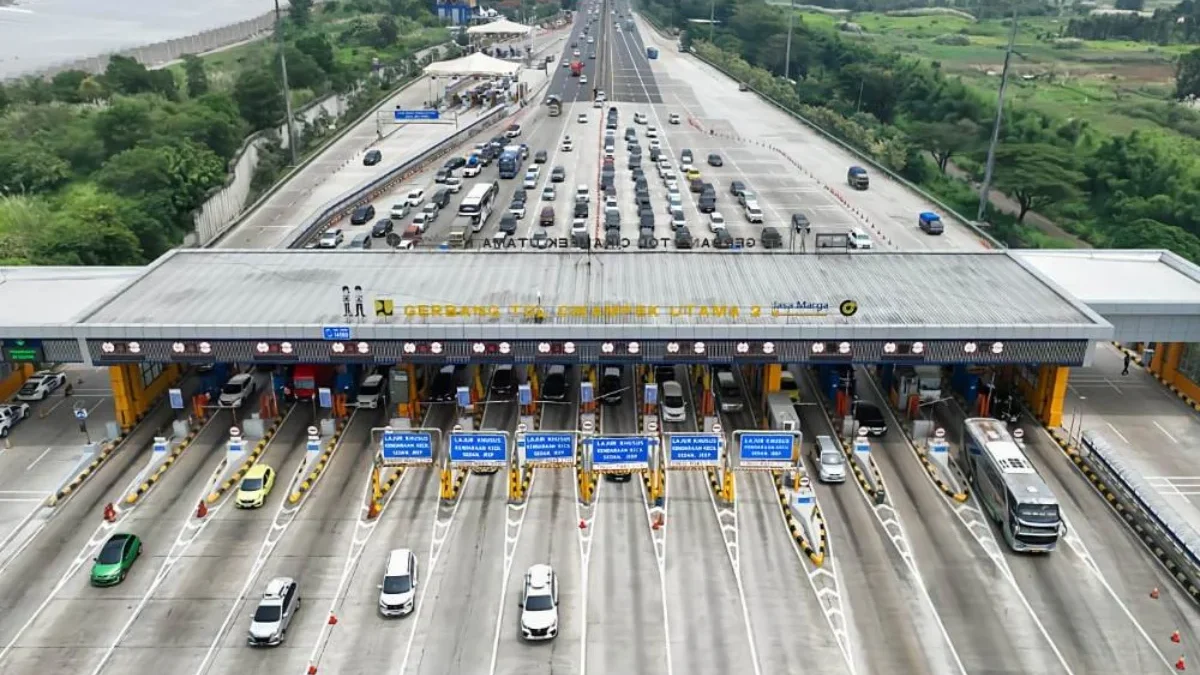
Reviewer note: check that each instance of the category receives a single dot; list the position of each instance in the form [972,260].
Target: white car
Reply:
[583,79]
[597,103]
[567,145]
[331,239]
[651,131]
[860,239]
[674,408]
[539,604]
[398,591]
[582,118]
[639,118]
[579,226]
[40,385]
[655,144]
[237,390]
[398,211]
[674,118]
[415,197]
[517,211]
[10,414]
[422,221]
[716,221]
[454,184]
[471,170]
[269,624]
[549,193]
[370,392]
[753,213]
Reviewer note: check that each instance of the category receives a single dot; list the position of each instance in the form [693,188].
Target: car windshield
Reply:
[369,389]
[252,484]
[232,388]
[831,458]
[394,585]
[673,401]
[538,603]
[787,384]
[111,553]
[267,614]
[1043,513]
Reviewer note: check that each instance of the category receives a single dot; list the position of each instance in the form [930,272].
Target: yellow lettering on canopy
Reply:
[755,311]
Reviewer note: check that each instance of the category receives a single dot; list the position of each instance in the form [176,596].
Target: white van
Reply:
[728,392]
[398,591]
[582,194]
[830,460]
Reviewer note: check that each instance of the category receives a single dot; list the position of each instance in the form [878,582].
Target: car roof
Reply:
[240,377]
[121,536]
[672,387]
[540,575]
[373,377]
[276,586]
[257,471]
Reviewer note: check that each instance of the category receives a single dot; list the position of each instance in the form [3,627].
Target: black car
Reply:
[655,154]
[362,215]
[508,224]
[455,163]
[504,381]
[581,210]
[445,385]
[647,241]
[715,160]
[683,238]
[664,374]
[372,158]
[558,175]
[722,238]
[770,238]
[442,175]
[646,220]
[610,190]
[612,238]
[870,417]
[441,198]
[612,219]
[554,388]
[708,203]
[736,188]
[540,157]
[382,228]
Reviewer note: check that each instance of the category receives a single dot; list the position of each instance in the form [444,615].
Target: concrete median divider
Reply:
[865,471]
[230,474]
[314,466]
[160,464]
[803,518]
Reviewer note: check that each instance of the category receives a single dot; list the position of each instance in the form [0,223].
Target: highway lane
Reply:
[631,77]
[893,627]
[548,535]
[365,642]
[176,626]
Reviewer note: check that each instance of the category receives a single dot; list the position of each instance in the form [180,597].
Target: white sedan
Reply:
[583,79]
[583,118]
[10,414]
[40,385]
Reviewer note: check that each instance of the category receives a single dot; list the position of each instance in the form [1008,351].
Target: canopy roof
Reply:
[501,27]
[473,64]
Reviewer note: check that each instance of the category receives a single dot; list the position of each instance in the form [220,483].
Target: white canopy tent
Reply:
[473,64]
[501,27]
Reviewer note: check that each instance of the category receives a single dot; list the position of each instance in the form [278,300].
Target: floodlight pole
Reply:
[287,92]
[787,53]
[991,155]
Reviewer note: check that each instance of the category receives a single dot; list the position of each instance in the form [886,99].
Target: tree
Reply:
[1131,5]
[1036,175]
[1147,233]
[944,139]
[389,32]
[197,77]
[1187,75]
[303,70]
[220,130]
[4,99]
[26,167]
[91,89]
[124,124]
[66,85]
[162,82]
[300,12]
[175,176]
[21,216]
[259,98]
[93,236]
[319,50]
[126,76]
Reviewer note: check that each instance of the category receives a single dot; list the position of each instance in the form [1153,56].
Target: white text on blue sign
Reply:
[694,447]
[542,446]
[766,447]
[620,450]
[407,446]
[478,447]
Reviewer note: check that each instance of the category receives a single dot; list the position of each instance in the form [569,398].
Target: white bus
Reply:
[1012,492]
[477,206]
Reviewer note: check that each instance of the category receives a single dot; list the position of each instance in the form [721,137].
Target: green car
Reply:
[115,559]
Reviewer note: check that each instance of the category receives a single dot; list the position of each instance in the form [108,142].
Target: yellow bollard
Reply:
[727,492]
[447,484]
[375,488]
[514,485]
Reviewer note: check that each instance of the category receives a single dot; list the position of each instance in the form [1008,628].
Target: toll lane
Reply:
[312,551]
[176,626]
[704,610]
[893,627]
[789,625]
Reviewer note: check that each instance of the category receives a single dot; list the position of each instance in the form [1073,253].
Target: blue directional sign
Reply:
[313,446]
[335,333]
[160,446]
[620,452]
[325,397]
[693,450]
[489,448]
[176,398]
[766,449]
[415,115]
[547,447]
[407,447]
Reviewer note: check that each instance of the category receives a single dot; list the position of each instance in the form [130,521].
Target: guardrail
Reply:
[341,206]
[867,159]
[1173,540]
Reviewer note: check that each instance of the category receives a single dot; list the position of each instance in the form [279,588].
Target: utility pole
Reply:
[991,156]
[787,53]
[287,92]
[712,18]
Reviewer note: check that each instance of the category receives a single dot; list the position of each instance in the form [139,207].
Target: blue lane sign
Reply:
[414,115]
[176,398]
[463,396]
[586,395]
[620,452]
[237,446]
[325,397]
[313,446]
[545,447]
[335,333]
[766,449]
[489,448]
[407,447]
[524,394]
[160,445]
[693,450]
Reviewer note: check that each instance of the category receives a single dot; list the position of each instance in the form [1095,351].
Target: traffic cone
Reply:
[582,524]
[373,510]
[332,620]
[1154,594]
[1180,665]
[110,513]
[312,669]
[658,521]
[1175,637]
[201,509]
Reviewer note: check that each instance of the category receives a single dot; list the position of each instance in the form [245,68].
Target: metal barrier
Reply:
[339,207]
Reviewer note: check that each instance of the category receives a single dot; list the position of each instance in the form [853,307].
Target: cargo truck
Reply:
[461,235]
[576,68]
[308,378]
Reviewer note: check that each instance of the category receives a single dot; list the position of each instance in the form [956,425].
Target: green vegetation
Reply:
[108,169]
[1137,188]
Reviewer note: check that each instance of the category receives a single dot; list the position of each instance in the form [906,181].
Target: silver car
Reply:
[674,407]
[269,623]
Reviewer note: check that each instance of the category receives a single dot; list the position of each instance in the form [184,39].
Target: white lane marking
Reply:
[98,404]
[587,514]
[39,457]
[437,541]
[1118,433]
[21,500]
[731,550]
[23,492]
[1164,431]
[658,540]
[512,537]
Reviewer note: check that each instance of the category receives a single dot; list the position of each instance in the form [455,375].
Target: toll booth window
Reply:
[1189,361]
[150,372]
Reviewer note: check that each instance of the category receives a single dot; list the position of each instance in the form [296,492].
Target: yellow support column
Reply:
[477,392]
[1056,393]
[124,396]
[585,487]
[376,490]
[447,484]
[656,482]
[10,384]
[772,378]
[727,486]
[514,484]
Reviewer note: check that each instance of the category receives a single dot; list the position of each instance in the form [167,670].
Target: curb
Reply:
[107,451]
[817,554]
[960,497]
[460,477]
[318,468]
[854,467]
[390,483]
[257,452]
[1129,515]
[153,478]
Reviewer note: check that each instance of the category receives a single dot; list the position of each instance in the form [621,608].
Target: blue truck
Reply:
[509,164]
[651,52]
[930,223]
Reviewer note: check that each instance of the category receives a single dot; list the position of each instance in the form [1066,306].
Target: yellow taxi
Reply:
[692,174]
[255,486]
[787,385]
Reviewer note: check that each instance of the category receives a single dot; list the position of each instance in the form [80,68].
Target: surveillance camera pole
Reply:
[287,92]
[991,155]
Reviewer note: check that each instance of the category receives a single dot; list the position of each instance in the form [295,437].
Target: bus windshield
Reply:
[1038,513]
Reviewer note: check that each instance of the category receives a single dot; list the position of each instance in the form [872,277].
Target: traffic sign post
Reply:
[415,115]
[766,449]
[693,451]
[478,449]
[409,447]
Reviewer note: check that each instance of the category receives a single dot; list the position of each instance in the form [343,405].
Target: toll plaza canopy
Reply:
[501,27]
[473,64]
[503,305]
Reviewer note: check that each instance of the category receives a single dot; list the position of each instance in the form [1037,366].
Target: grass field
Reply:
[1116,86]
